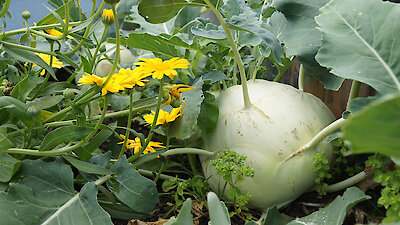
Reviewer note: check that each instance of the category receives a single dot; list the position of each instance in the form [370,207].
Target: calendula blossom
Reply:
[108,16]
[158,68]
[176,90]
[57,33]
[163,116]
[136,145]
[125,78]
[55,63]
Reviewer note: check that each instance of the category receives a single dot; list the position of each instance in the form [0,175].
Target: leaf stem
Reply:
[346,183]
[319,137]
[238,59]
[355,88]
[301,78]
[178,151]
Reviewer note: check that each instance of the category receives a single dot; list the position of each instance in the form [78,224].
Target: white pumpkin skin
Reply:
[281,120]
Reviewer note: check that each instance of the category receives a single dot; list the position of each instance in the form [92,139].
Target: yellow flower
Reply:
[136,145]
[163,116]
[90,79]
[125,78]
[128,78]
[175,91]
[55,64]
[108,16]
[57,33]
[158,68]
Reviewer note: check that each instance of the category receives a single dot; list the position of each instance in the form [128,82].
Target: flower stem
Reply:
[153,125]
[67,148]
[319,137]
[117,46]
[5,8]
[123,148]
[65,27]
[92,62]
[86,34]
[238,59]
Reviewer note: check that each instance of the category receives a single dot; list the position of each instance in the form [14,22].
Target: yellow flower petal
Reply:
[158,68]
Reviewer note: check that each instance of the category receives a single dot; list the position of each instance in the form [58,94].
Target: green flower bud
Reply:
[33,111]
[69,94]
[102,48]
[175,102]
[26,15]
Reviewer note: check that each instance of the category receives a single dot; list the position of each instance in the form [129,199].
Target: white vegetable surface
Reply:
[281,120]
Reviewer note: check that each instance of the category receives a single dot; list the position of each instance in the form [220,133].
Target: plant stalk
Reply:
[346,183]
[301,78]
[355,88]
[319,137]
[153,126]
[238,59]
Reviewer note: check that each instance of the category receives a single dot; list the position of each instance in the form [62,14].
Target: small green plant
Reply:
[321,165]
[389,178]
[231,166]
[195,188]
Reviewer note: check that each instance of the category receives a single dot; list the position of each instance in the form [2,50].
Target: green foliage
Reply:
[389,177]
[301,39]
[335,212]
[194,187]
[45,194]
[349,31]
[376,128]
[134,190]
[321,165]
[231,166]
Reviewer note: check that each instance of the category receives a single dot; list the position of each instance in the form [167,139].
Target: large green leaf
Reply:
[185,216]
[87,167]
[4,139]
[209,113]
[218,212]
[376,128]
[26,56]
[185,126]
[16,108]
[46,195]
[360,41]
[242,17]
[62,135]
[151,43]
[8,166]
[131,188]
[274,217]
[302,38]
[46,102]
[335,212]
[160,11]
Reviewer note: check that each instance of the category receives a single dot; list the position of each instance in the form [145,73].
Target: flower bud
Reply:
[69,94]
[26,15]
[108,17]
[33,111]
